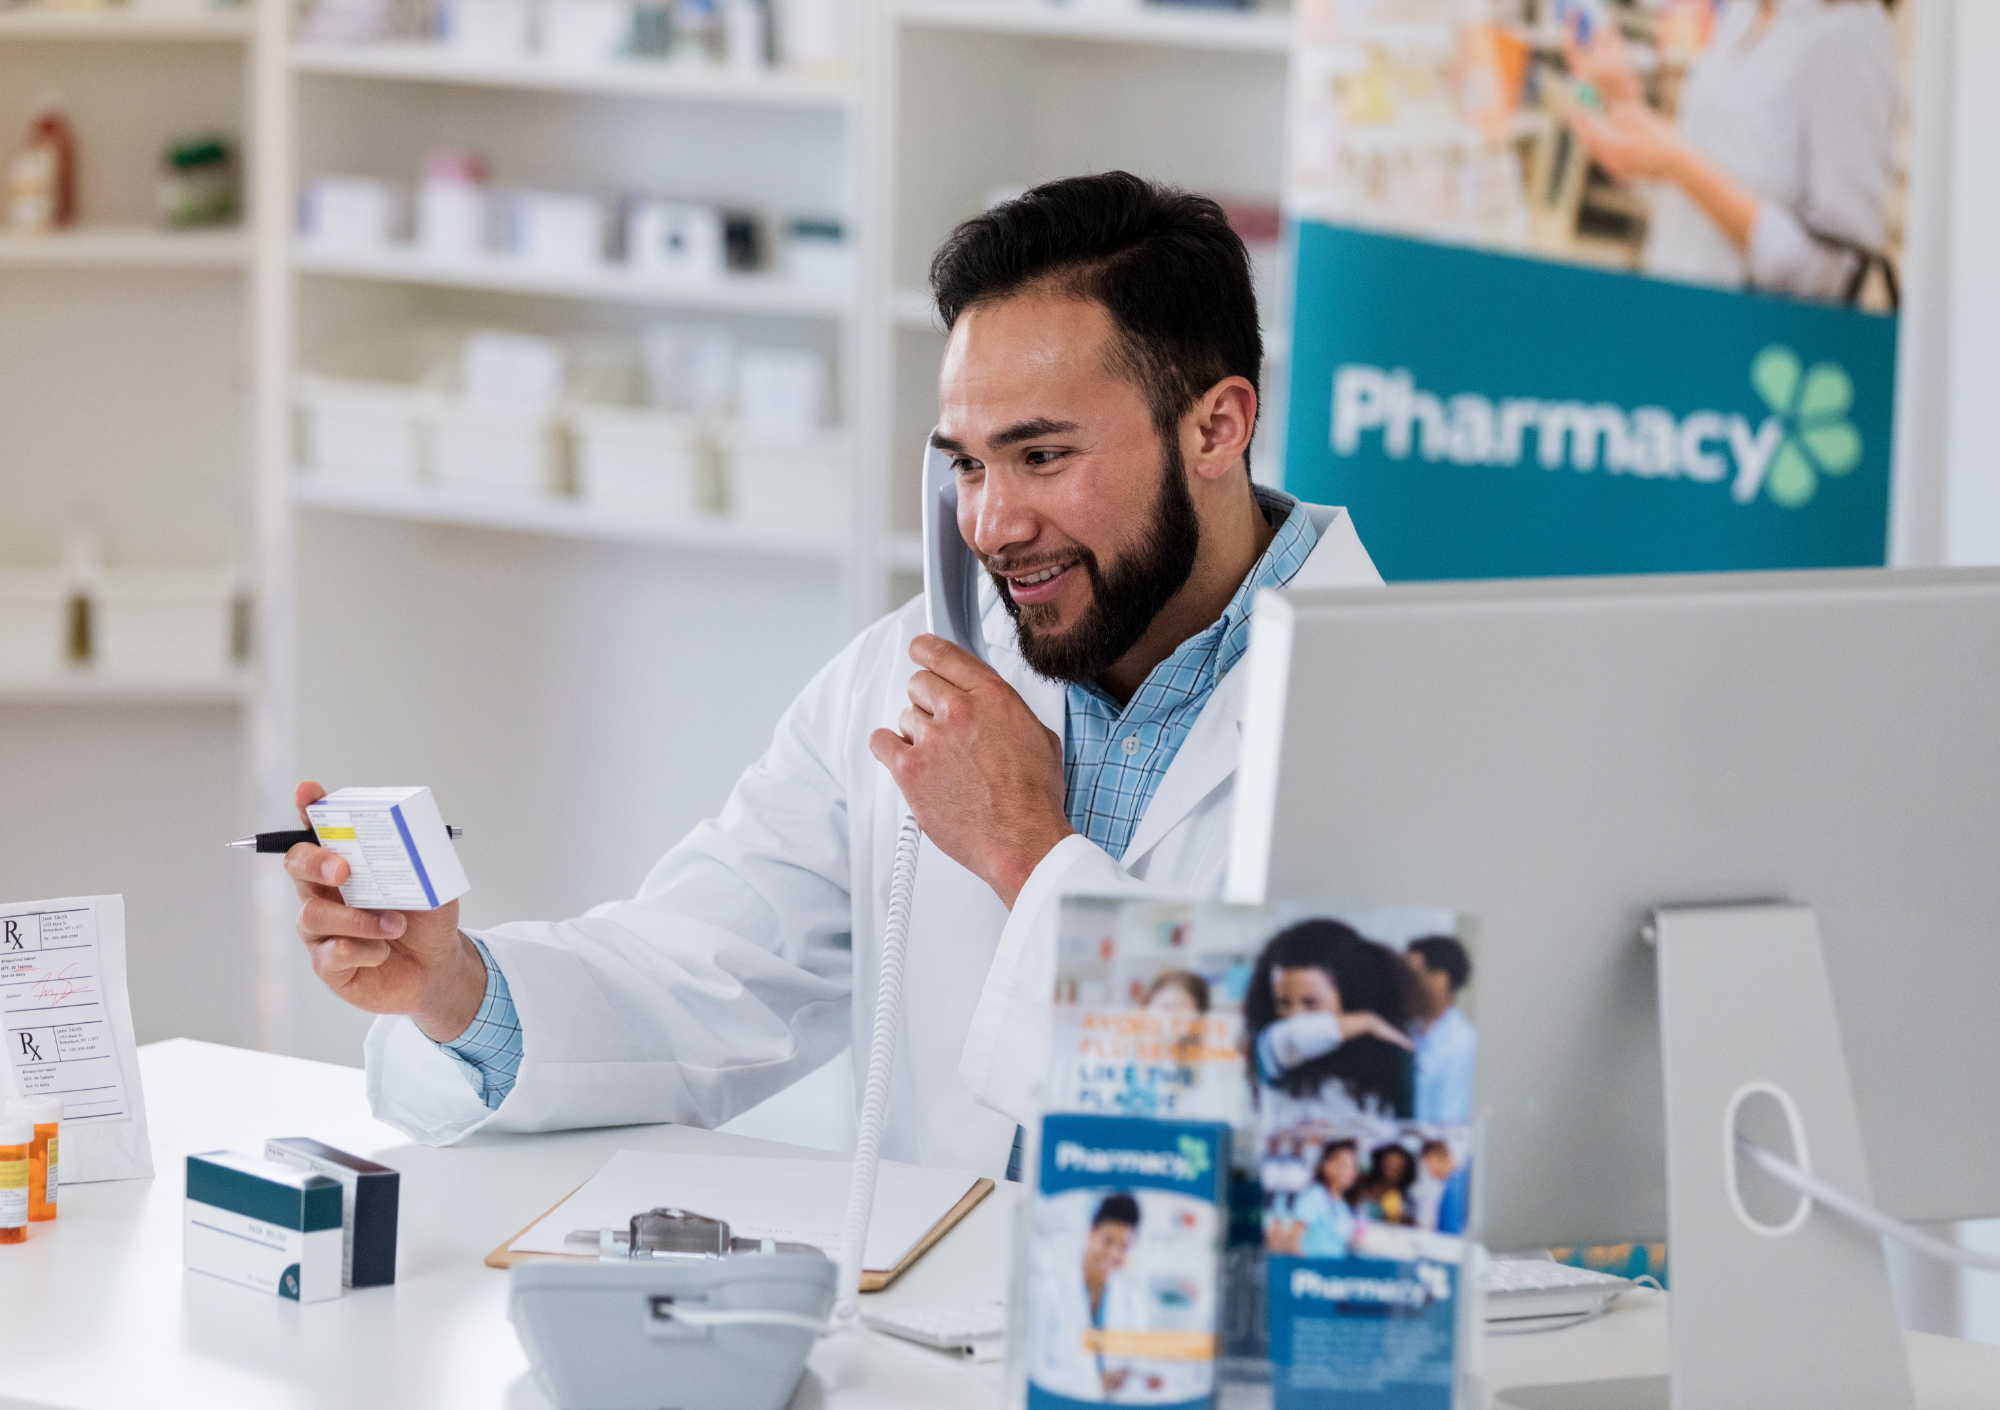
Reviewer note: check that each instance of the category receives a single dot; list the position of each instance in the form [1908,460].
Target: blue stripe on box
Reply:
[415,860]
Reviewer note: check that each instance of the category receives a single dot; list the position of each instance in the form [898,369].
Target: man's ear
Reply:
[1222,419]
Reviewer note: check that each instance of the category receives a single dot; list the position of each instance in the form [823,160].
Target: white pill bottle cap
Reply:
[39,1111]
[15,1132]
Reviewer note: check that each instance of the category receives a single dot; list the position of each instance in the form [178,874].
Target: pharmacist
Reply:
[1098,397]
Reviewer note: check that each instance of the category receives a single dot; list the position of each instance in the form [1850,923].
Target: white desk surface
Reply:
[96,1312]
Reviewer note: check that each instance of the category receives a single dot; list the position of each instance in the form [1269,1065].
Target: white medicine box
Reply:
[165,602]
[272,1227]
[397,847]
[645,465]
[34,608]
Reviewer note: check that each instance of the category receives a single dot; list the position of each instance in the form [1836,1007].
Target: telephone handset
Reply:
[952,571]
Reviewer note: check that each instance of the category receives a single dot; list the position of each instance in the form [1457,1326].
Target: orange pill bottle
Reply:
[15,1138]
[44,1152]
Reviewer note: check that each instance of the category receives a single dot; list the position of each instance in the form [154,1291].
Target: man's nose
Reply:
[1002,521]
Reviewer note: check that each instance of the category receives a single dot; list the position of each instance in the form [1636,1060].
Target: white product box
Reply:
[347,213]
[554,231]
[34,623]
[451,219]
[674,240]
[486,29]
[817,254]
[794,490]
[646,465]
[517,369]
[272,1227]
[163,622]
[399,853]
[781,394]
[815,36]
[688,369]
[369,431]
[492,446]
[586,32]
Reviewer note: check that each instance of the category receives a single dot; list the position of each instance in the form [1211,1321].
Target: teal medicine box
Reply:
[268,1226]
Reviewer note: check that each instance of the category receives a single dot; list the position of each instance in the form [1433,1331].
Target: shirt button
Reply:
[1131,745]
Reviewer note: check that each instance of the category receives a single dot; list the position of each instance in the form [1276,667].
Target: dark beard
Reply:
[1124,604]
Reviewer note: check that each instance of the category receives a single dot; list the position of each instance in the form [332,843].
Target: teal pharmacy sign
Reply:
[1491,416]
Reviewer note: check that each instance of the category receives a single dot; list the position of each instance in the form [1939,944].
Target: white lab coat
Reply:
[751,954]
[1058,1361]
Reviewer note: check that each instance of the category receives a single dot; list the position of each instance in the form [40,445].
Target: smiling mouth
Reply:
[1040,575]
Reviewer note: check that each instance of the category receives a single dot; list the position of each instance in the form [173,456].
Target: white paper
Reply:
[794,1201]
[67,1023]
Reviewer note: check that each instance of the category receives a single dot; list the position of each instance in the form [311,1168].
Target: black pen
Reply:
[285,841]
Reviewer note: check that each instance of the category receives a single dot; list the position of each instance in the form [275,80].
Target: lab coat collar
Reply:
[1207,756]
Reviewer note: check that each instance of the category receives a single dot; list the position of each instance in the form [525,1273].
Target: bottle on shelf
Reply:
[41,180]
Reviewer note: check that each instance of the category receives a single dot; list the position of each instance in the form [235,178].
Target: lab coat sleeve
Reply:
[1007,1050]
[723,981]
[1852,97]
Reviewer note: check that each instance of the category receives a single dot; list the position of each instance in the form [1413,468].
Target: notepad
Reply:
[792,1201]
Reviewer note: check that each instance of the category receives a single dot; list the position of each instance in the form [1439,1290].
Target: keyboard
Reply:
[1523,1288]
[975,1331]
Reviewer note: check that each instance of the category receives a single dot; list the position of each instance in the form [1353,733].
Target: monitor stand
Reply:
[1795,1311]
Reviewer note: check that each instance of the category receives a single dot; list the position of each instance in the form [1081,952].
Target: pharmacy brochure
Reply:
[67,1022]
[1125,1258]
[1338,1043]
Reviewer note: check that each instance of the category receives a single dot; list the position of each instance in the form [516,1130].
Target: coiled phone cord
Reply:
[881,1059]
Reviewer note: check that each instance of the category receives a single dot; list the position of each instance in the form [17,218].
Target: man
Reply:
[1447,1047]
[1098,396]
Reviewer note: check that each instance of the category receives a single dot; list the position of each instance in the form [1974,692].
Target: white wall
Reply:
[574,744]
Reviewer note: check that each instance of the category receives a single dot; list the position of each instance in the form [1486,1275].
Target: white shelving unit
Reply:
[128,404]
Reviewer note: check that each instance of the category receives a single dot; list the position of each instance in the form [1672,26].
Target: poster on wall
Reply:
[1583,287]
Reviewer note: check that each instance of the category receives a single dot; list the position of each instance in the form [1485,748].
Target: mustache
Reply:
[1005,567]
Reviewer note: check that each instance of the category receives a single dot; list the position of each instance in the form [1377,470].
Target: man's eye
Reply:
[1043,457]
[964,465]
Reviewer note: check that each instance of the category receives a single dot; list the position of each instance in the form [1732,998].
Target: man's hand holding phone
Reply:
[412,962]
[982,774]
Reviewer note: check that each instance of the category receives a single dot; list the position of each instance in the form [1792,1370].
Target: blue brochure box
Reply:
[1362,1333]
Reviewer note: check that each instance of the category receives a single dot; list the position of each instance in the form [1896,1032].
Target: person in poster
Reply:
[1084,1298]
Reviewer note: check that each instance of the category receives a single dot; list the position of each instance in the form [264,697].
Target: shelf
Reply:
[434,505]
[129,23]
[135,247]
[742,293]
[90,686]
[642,78]
[1192,27]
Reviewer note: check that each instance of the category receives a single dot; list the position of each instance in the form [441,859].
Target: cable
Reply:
[881,1059]
[1820,1192]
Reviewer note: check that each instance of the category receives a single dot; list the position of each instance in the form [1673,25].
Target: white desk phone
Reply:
[677,1302]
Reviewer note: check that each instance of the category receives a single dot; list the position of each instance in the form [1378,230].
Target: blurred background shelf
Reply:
[127,247]
[749,293]
[433,505]
[1187,27]
[89,687]
[130,23]
[432,63]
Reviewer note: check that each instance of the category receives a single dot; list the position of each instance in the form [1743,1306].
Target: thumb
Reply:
[305,793]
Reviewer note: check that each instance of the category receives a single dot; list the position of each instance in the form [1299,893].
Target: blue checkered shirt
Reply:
[1113,760]
[1114,756]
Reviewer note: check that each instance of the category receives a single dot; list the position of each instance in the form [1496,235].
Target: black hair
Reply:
[1380,1179]
[1333,1148]
[1371,978]
[1118,1208]
[1164,263]
[1445,955]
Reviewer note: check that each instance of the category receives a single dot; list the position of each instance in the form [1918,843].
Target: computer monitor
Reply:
[1557,758]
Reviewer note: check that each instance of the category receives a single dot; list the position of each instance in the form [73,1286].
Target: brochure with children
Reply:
[1339,1044]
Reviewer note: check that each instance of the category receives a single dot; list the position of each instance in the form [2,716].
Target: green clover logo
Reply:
[1813,405]
[1194,1155]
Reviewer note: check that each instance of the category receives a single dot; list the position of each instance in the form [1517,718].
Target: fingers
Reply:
[336,957]
[316,866]
[307,792]
[957,665]
[889,748]
[325,917]
[932,693]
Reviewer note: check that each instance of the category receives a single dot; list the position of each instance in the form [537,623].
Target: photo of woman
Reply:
[1327,1017]
[1385,1196]
[1321,1219]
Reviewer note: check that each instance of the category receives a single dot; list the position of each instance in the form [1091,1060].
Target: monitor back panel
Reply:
[1556,759]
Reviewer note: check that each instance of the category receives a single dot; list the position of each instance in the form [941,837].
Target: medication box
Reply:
[368,1199]
[397,848]
[267,1226]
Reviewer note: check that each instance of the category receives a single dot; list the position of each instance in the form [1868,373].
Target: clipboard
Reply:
[872,1280]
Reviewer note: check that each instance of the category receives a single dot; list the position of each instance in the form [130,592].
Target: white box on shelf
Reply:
[514,369]
[585,32]
[781,394]
[817,253]
[637,463]
[163,623]
[797,489]
[554,230]
[353,213]
[34,623]
[371,431]
[675,240]
[688,368]
[451,219]
[485,29]
[497,448]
